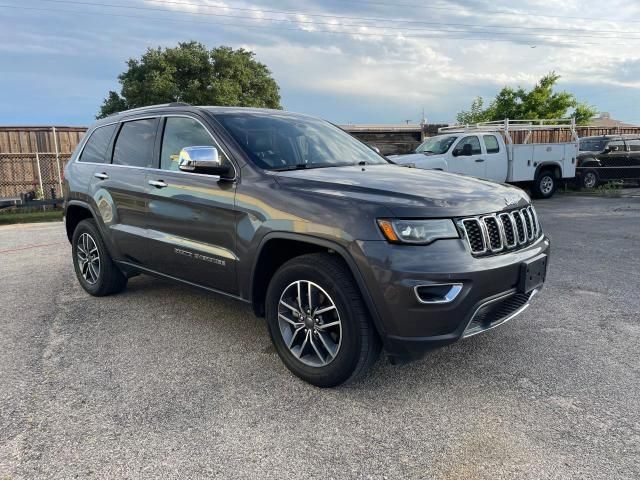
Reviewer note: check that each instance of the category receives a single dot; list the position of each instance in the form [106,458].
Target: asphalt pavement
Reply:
[163,381]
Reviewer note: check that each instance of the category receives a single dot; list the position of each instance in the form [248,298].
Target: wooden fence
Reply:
[40,139]
[32,159]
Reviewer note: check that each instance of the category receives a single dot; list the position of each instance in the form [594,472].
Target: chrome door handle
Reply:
[157,183]
[479,160]
[101,176]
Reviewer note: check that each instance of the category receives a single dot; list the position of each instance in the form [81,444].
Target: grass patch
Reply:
[24,217]
[609,189]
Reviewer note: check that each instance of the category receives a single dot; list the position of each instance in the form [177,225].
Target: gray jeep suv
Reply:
[343,252]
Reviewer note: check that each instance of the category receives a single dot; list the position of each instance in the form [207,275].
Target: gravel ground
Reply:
[164,381]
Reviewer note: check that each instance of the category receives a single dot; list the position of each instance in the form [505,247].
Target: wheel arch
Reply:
[555,167]
[75,212]
[286,246]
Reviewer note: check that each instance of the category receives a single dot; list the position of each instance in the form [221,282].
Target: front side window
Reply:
[473,141]
[491,144]
[181,132]
[436,145]
[281,141]
[96,148]
[134,145]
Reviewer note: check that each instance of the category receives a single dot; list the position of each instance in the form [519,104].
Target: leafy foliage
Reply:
[541,102]
[190,73]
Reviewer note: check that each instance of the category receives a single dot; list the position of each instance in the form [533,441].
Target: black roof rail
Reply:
[160,105]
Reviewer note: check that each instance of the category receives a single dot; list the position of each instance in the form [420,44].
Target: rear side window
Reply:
[634,145]
[96,148]
[134,145]
[616,146]
[491,142]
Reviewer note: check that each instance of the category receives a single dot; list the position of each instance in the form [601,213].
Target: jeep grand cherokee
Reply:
[343,252]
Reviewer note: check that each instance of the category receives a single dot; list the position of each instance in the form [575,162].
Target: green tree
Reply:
[190,73]
[541,102]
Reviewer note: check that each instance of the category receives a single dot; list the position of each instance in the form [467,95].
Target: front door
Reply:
[192,220]
[473,164]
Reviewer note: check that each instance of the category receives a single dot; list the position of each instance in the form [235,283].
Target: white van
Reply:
[487,150]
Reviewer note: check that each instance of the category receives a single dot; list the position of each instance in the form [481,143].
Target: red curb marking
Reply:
[31,246]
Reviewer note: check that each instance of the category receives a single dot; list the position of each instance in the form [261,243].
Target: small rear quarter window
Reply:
[491,142]
[96,148]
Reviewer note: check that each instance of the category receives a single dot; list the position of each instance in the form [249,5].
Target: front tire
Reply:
[589,179]
[544,186]
[318,322]
[94,267]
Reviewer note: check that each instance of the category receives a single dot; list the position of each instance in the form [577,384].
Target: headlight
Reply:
[417,231]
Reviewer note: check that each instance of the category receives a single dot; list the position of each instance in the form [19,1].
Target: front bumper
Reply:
[408,327]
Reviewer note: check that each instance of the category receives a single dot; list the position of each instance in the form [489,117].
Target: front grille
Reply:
[517,218]
[509,229]
[493,233]
[493,313]
[505,231]
[474,234]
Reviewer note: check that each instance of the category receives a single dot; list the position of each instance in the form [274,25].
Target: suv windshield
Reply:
[280,141]
[436,145]
[592,145]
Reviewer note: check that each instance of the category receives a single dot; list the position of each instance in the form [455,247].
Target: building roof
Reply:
[604,120]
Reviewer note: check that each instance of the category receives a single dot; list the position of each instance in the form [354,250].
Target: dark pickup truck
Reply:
[342,251]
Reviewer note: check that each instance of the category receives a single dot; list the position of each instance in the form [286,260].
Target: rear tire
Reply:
[545,184]
[328,348]
[94,267]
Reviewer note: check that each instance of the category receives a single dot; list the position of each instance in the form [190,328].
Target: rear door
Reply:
[495,158]
[474,164]
[192,219]
[119,189]
[613,161]
[633,168]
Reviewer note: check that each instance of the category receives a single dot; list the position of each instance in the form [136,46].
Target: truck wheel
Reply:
[318,322]
[95,269]
[544,185]
[590,179]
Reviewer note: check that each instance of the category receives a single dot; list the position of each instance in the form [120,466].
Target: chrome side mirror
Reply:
[201,160]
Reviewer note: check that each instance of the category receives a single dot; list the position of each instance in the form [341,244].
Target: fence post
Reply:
[40,178]
[55,143]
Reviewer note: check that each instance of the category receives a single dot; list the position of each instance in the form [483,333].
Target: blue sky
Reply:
[349,61]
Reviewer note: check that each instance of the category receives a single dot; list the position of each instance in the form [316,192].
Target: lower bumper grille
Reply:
[497,311]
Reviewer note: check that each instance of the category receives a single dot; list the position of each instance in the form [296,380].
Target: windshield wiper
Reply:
[297,166]
[306,166]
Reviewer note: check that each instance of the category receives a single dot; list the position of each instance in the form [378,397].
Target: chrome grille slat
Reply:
[509,230]
[474,235]
[500,232]
[528,224]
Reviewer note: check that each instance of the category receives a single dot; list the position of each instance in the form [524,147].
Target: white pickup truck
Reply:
[487,150]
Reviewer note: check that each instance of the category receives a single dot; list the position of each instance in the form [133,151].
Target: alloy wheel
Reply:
[590,180]
[546,185]
[309,323]
[88,258]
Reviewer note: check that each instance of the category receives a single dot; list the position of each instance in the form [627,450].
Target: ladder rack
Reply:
[506,126]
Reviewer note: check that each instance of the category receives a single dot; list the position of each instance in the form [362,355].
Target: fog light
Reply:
[438,293]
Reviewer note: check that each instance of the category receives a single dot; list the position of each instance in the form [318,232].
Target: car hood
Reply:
[407,192]
[412,157]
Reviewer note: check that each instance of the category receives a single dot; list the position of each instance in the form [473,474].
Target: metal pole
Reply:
[55,143]
[40,178]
